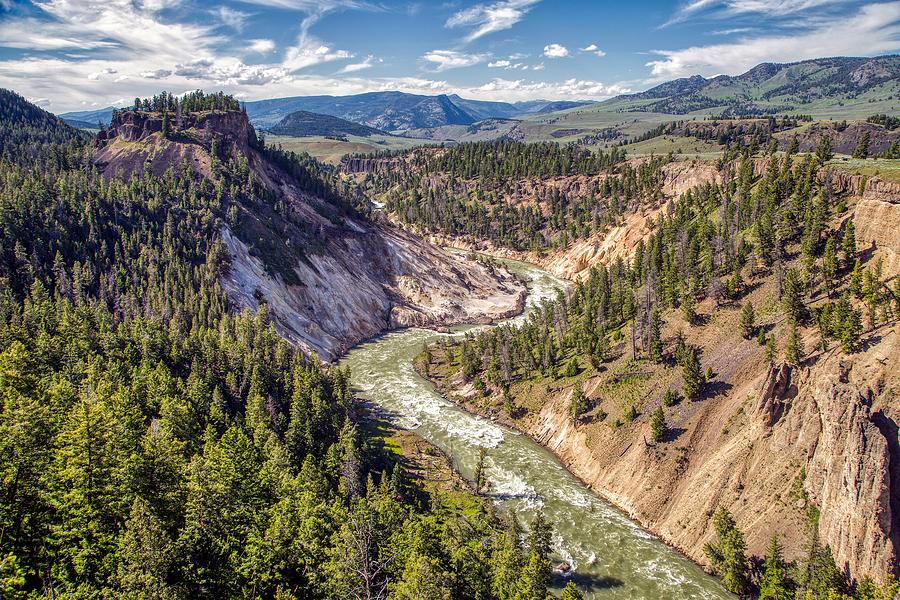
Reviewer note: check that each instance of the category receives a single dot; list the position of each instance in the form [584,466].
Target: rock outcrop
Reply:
[808,440]
[329,277]
[773,445]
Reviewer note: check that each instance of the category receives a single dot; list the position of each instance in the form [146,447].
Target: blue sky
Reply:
[78,54]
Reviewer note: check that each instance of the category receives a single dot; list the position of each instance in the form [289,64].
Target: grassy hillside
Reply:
[330,150]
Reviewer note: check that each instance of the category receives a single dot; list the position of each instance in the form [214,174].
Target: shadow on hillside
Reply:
[715,388]
[673,433]
[872,340]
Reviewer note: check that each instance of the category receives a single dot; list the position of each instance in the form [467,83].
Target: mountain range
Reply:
[819,87]
[835,88]
[387,111]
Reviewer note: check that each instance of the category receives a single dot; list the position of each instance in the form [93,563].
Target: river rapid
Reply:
[611,556]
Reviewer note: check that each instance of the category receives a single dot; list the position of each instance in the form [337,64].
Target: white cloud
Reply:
[569,89]
[593,49]
[367,63]
[874,29]
[135,48]
[232,18]
[537,67]
[262,46]
[309,53]
[452,59]
[489,18]
[499,64]
[312,6]
[157,74]
[105,71]
[730,8]
[517,56]
[555,51]
[32,34]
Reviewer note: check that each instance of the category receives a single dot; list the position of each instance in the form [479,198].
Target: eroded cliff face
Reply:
[330,279]
[367,282]
[769,444]
[777,444]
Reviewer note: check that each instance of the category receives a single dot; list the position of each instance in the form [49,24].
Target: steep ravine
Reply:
[330,278]
[771,446]
[774,446]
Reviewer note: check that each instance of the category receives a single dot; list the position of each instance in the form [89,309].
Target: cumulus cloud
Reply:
[874,29]
[307,54]
[230,72]
[555,51]
[262,46]
[452,59]
[593,49]
[489,18]
[569,89]
[499,64]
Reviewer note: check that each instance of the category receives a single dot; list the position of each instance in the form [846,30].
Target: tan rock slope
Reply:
[356,278]
[769,444]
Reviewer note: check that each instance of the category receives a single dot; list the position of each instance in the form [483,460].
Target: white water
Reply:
[612,557]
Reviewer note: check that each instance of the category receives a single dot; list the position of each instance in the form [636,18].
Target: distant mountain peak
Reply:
[770,88]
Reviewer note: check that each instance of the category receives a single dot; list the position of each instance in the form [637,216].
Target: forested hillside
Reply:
[156,443]
[28,133]
[661,378]
[535,197]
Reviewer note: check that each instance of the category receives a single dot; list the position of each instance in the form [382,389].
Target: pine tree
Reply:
[728,553]
[537,573]
[656,344]
[658,427]
[829,264]
[12,578]
[748,320]
[571,592]
[578,403]
[824,152]
[775,584]
[147,555]
[691,374]
[794,351]
[479,470]
[670,398]
[687,308]
[506,561]
[848,245]
[851,330]
[862,147]
[423,578]
[792,295]
[793,146]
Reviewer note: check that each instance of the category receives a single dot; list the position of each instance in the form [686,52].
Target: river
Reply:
[612,557]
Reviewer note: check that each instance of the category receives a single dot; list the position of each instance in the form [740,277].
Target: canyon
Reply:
[340,278]
[778,446]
